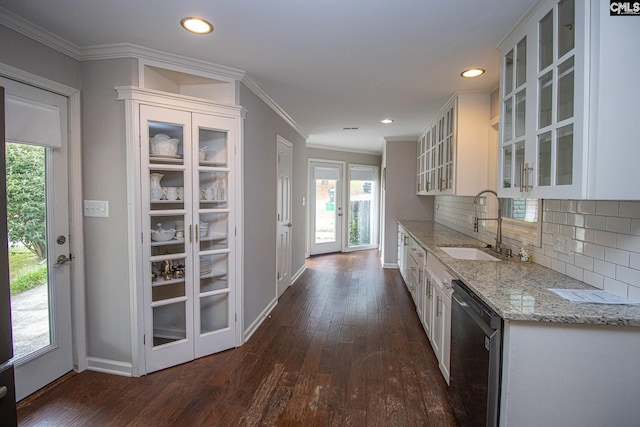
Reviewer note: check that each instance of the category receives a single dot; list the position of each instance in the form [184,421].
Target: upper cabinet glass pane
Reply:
[165,142]
[565,89]
[507,133]
[508,72]
[566,27]
[546,100]
[521,64]
[546,41]
[213,148]
[521,112]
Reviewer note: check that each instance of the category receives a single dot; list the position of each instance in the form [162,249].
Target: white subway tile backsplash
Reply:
[630,209]
[616,287]
[551,228]
[596,222]
[619,225]
[552,205]
[594,251]
[587,207]
[567,230]
[558,266]
[628,275]
[594,279]
[604,268]
[573,271]
[578,247]
[575,219]
[607,208]
[584,262]
[568,259]
[616,256]
[560,217]
[629,243]
[568,205]
[606,238]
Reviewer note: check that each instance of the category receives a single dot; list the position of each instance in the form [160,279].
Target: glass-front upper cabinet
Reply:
[540,153]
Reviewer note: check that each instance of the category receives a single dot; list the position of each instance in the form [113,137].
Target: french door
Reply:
[38,219]
[325,206]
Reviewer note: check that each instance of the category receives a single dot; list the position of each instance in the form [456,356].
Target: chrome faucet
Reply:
[498,247]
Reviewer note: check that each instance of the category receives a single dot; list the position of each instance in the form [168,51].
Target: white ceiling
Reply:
[329,64]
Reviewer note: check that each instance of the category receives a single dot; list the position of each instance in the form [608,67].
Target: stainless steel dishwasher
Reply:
[476,356]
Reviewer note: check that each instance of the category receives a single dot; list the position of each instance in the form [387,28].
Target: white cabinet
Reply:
[440,326]
[184,194]
[453,151]
[567,128]
[403,243]
[417,258]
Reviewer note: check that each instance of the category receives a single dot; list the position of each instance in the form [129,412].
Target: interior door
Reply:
[38,202]
[283,215]
[325,204]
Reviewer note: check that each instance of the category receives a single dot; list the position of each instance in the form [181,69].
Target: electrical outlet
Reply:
[562,244]
[96,208]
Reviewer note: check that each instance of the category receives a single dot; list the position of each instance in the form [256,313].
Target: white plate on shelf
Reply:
[165,156]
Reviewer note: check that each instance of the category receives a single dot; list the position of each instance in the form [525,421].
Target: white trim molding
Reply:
[346,150]
[257,90]
[298,274]
[261,318]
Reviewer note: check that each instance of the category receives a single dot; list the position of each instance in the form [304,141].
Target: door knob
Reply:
[61,260]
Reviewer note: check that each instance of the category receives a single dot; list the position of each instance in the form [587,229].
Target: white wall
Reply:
[400,199]
[262,126]
[106,239]
[28,55]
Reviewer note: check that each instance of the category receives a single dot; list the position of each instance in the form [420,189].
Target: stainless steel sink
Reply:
[475,254]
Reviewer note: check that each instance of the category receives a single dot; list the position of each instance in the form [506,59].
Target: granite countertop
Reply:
[517,291]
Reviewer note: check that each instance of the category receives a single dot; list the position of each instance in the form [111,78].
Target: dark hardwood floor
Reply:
[343,347]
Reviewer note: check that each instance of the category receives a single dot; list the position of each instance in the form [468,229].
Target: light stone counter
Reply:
[517,291]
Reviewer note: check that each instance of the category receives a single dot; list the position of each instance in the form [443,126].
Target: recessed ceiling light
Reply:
[386,121]
[196,25]
[472,72]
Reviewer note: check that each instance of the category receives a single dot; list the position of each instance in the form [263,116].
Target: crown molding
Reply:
[39,34]
[128,50]
[345,150]
[257,90]
[409,138]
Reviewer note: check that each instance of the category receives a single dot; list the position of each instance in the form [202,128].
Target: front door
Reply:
[325,197]
[38,222]
[283,215]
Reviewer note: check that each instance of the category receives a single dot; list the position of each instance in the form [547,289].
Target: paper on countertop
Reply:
[592,296]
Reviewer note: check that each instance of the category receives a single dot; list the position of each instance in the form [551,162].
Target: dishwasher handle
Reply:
[473,314]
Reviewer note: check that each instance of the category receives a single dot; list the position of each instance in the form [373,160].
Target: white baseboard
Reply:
[390,265]
[298,273]
[256,323]
[108,366]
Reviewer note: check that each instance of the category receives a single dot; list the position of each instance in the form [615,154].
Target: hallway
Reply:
[343,347]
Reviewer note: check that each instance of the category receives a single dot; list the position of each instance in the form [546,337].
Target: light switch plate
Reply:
[96,208]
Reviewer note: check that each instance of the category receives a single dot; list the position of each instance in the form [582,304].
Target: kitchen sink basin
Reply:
[474,254]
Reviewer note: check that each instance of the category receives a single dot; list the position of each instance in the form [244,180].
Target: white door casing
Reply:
[283,215]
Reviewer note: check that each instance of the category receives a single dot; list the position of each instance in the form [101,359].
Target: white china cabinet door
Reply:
[214,293]
[167,236]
